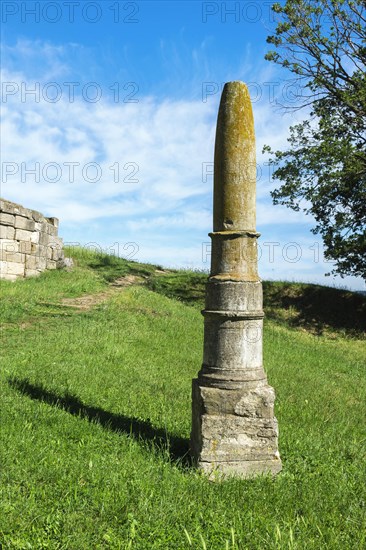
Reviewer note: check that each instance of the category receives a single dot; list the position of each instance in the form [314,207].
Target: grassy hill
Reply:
[96,369]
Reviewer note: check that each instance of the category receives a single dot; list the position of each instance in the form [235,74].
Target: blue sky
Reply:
[108,121]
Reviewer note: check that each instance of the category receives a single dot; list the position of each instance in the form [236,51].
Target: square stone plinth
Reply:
[234,432]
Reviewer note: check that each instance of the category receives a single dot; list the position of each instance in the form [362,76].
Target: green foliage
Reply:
[96,416]
[323,44]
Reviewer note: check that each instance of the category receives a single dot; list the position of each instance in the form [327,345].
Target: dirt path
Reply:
[86,302]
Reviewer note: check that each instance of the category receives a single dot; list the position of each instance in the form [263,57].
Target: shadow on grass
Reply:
[315,307]
[157,439]
[187,287]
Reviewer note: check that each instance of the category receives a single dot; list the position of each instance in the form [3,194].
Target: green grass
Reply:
[95,419]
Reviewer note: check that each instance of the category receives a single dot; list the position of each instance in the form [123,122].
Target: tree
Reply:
[323,172]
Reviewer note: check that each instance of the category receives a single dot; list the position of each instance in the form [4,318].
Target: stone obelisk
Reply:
[234,431]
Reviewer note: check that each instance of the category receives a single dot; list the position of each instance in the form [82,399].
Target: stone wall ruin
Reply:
[29,242]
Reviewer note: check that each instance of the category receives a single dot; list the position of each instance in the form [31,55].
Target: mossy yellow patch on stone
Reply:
[234,430]
[235,161]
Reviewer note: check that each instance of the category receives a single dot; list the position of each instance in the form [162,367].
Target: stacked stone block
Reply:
[234,430]
[29,242]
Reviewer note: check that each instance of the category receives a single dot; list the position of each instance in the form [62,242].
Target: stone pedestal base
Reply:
[234,431]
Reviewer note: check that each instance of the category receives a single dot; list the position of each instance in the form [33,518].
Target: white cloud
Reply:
[149,154]
[161,144]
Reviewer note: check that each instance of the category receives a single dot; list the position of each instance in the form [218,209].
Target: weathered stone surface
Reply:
[37,216]
[248,296]
[29,239]
[232,344]
[54,222]
[57,253]
[8,207]
[43,238]
[234,430]
[26,247]
[217,471]
[11,256]
[16,209]
[24,223]
[42,263]
[35,237]
[9,245]
[51,230]
[55,241]
[14,268]
[7,219]
[23,235]
[7,232]
[235,439]
[255,401]
[25,212]
[32,273]
[39,250]
[9,251]
[236,255]
[66,263]
[235,162]
[31,262]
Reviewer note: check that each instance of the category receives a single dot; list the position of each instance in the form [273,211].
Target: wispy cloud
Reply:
[122,170]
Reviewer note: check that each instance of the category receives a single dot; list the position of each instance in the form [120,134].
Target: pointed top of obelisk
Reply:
[235,162]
